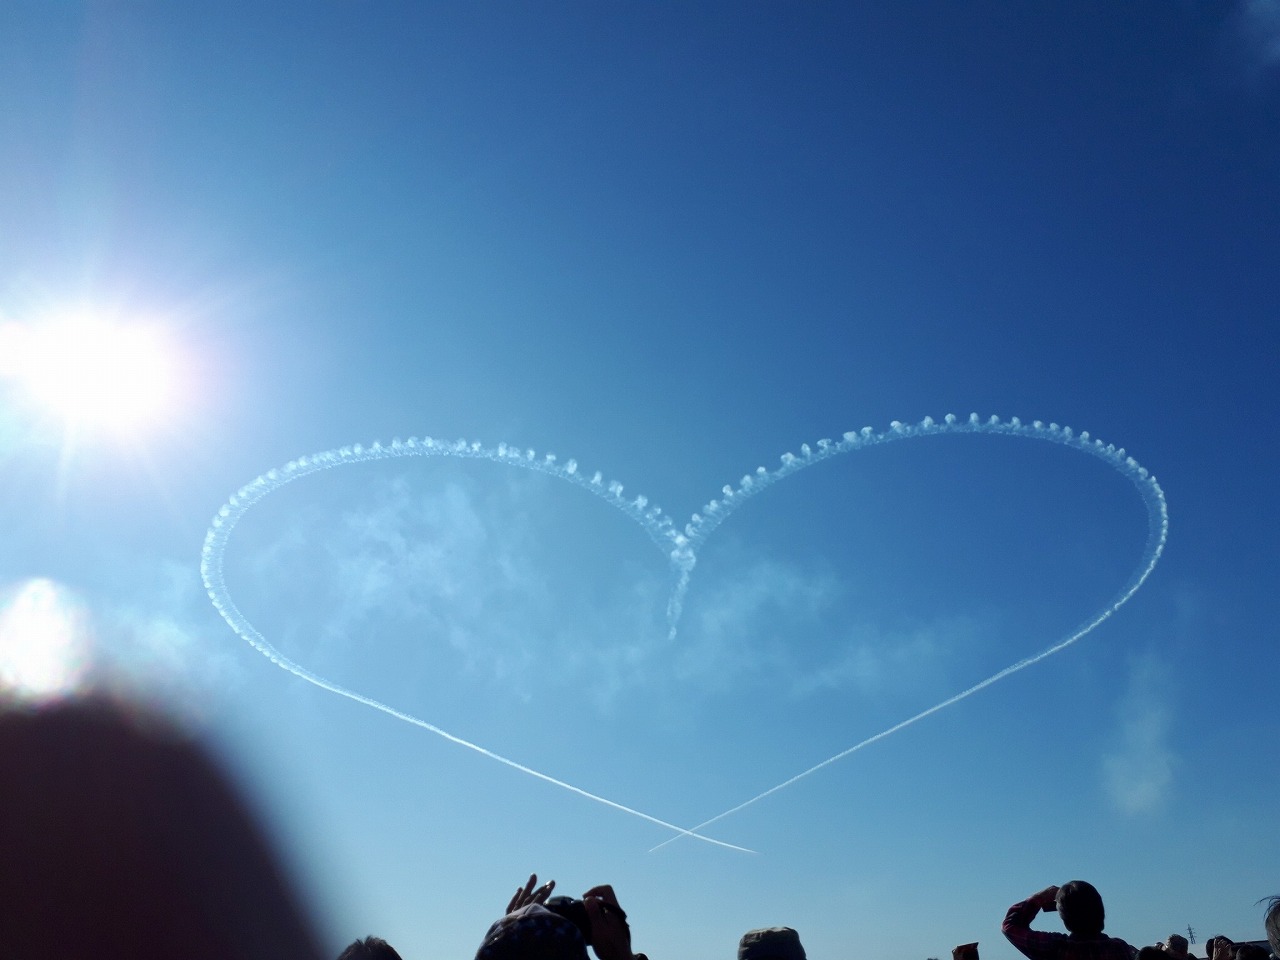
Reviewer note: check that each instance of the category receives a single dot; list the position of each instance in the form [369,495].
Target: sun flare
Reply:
[43,641]
[92,373]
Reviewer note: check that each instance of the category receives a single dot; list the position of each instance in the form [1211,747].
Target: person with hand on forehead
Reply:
[1080,906]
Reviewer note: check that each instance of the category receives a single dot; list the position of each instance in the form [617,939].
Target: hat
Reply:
[770,943]
[533,933]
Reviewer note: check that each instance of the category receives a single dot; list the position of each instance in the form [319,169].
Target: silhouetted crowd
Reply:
[119,838]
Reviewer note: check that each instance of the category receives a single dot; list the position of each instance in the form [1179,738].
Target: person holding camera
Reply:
[1080,907]
[538,926]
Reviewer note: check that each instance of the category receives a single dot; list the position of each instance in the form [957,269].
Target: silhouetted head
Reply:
[770,943]
[1250,951]
[1080,907]
[1273,924]
[370,948]
[1176,945]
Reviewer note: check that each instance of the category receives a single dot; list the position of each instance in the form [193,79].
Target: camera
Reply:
[573,910]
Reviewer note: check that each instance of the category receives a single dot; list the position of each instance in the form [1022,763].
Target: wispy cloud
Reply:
[1257,28]
[441,567]
[163,650]
[1139,770]
[487,583]
[795,629]
[435,560]
[473,579]
[870,659]
[741,629]
[1247,36]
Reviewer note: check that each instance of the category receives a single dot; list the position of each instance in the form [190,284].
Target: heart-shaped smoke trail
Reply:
[681,547]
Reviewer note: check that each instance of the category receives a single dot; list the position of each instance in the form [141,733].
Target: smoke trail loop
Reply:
[680,544]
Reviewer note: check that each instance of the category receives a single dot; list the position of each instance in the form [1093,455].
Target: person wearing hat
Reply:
[770,943]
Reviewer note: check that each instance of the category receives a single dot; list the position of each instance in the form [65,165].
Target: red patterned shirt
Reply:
[1042,945]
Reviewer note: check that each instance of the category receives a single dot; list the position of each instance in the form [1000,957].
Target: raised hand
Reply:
[527,894]
[610,933]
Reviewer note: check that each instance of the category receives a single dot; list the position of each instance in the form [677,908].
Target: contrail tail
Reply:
[1157,536]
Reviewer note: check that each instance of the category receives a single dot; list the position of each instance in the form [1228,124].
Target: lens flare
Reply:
[44,641]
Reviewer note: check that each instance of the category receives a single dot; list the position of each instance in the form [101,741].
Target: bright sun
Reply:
[91,373]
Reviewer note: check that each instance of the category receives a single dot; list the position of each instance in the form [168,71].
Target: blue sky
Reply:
[672,244]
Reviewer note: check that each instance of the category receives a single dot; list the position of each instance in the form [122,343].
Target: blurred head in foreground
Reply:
[120,838]
[370,948]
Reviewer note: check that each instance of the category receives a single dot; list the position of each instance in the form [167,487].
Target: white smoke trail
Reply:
[1157,536]
[680,546]
[215,544]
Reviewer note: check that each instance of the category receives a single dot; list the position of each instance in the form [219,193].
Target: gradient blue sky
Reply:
[674,242]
